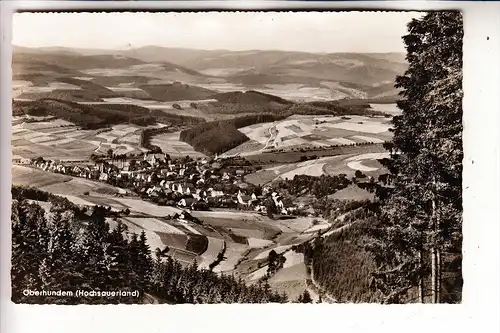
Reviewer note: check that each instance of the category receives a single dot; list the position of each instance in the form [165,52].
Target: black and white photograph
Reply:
[237,157]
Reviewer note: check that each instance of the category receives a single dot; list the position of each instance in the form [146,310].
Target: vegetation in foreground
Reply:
[73,251]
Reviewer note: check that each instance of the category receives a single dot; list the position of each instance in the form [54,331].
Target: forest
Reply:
[60,251]
[219,136]
[318,186]
[99,115]
[409,249]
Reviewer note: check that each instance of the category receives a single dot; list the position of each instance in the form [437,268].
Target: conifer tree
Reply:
[144,262]
[422,216]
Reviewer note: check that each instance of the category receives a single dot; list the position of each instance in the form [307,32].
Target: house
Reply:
[278,201]
[266,190]
[16,159]
[244,199]
[226,176]
[154,159]
[25,161]
[214,193]
[287,206]
[176,188]
[189,189]
[240,172]
[103,176]
[153,191]
[261,209]
[186,202]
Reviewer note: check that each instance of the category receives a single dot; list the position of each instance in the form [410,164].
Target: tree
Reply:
[144,261]
[30,241]
[422,216]
[270,208]
[305,297]
[359,174]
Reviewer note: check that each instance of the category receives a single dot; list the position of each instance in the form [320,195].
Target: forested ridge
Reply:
[99,115]
[69,251]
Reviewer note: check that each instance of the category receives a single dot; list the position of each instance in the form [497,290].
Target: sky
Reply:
[304,31]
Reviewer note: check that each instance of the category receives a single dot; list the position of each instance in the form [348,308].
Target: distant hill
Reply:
[76,61]
[176,92]
[373,73]
[290,75]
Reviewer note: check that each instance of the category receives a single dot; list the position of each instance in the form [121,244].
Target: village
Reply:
[187,183]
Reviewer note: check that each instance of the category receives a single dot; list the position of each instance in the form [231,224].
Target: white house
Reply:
[244,199]
[186,202]
[214,194]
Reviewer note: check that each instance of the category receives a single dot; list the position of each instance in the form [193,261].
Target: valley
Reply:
[231,131]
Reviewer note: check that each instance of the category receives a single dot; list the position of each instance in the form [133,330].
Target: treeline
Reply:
[340,108]
[58,251]
[250,97]
[98,115]
[318,186]
[191,285]
[219,136]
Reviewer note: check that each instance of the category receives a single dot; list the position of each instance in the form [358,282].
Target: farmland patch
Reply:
[234,253]
[25,176]
[215,246]
[147,208]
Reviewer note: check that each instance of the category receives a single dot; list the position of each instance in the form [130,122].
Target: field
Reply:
[215,246]
[299,132]
[332,165]
[387,108]
[170,144]
[58,139]
[58,183]
[32,177]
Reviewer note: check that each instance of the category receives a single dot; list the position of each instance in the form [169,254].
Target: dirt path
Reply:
[325,297]
[271,139]
[314,288]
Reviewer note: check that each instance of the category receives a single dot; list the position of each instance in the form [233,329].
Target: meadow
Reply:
[308,132]
[331,165]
